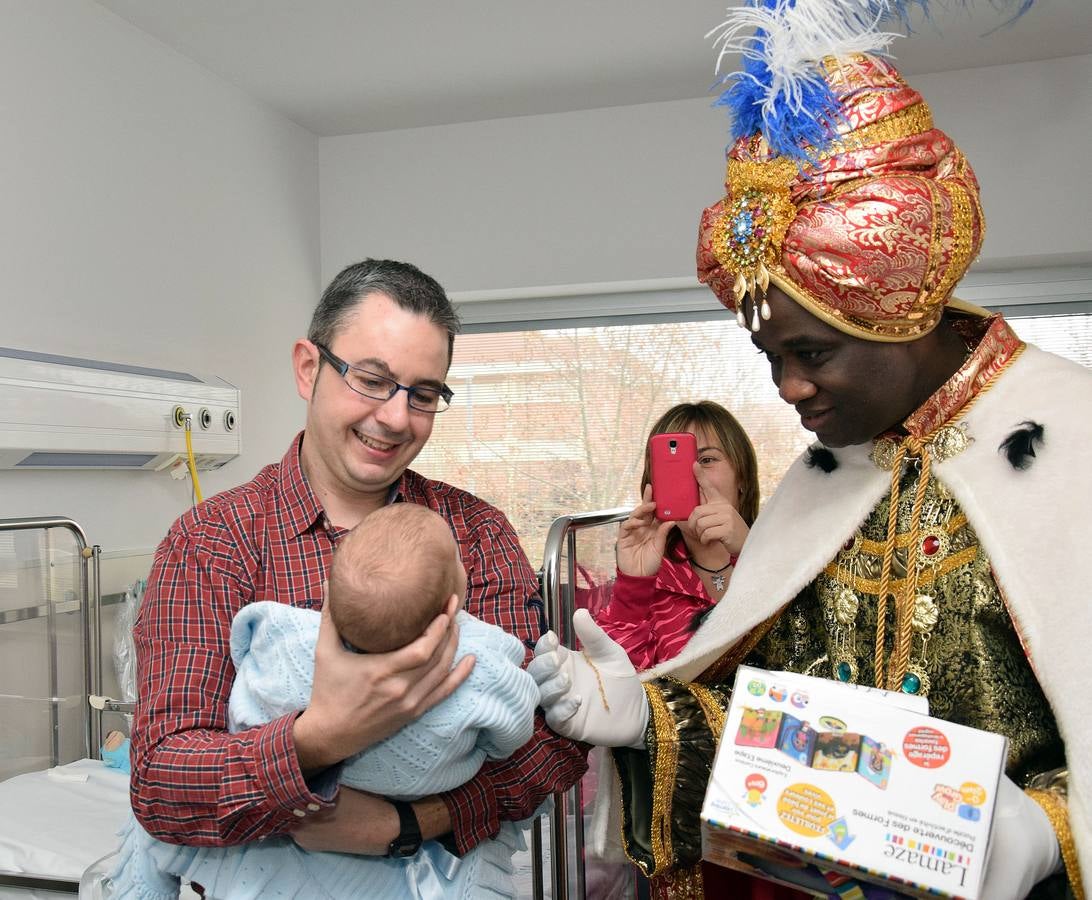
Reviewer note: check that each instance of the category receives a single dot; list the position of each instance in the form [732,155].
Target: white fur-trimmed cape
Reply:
[1033,524]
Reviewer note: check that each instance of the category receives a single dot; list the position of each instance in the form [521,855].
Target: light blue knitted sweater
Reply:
[489,716]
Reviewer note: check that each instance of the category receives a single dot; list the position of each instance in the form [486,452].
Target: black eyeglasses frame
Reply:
[343,368]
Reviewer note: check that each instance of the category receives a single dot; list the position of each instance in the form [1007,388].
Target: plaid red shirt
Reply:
[269,539]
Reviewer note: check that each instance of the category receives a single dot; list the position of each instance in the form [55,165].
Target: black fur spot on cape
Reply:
[699,619]
[821,458]
[1019,447]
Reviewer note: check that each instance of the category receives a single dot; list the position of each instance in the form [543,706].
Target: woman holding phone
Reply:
[670,573]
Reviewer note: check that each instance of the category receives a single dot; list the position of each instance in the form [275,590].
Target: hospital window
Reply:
[552,421]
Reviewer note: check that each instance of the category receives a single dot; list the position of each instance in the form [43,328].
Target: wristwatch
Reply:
[408,841]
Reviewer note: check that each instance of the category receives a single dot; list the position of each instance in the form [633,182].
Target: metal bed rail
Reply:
[90,616]
[559,596]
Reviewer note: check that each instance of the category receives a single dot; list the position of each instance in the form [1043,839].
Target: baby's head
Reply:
[392,575]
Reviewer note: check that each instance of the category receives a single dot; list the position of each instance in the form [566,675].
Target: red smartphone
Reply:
[674,487]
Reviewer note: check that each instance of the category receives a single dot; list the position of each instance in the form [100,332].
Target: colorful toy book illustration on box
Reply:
[839,788]
[834,751]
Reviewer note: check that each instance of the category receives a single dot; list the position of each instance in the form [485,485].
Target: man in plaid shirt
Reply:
[372,371]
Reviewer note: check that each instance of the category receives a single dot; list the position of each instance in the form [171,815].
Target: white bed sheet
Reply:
[54,827]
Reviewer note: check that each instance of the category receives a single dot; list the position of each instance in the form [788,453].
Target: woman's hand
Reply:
[716,517]
[642,539]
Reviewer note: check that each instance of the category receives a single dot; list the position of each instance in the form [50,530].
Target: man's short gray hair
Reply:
[409,287]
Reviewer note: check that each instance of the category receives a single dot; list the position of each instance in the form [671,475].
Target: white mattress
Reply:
[55,827]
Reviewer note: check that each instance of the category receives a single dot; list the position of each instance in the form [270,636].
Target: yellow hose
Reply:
[192,463]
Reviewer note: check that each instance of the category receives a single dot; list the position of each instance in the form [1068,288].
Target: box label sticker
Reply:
[806,809]
[926,747]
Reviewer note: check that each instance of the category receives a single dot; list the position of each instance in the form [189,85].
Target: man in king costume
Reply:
[930,542]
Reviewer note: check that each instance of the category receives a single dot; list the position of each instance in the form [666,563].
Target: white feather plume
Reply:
[798,35]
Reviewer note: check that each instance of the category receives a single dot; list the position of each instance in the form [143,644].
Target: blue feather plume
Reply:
[780,89]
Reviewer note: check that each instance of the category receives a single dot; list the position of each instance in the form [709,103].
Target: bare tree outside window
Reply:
[553,422]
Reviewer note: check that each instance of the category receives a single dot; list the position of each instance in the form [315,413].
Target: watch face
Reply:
[402,847]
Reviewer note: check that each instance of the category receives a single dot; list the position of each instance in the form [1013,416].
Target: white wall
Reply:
[615,194]
[154,215]
[1027,130]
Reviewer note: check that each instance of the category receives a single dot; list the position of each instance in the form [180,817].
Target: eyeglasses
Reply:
[379,387]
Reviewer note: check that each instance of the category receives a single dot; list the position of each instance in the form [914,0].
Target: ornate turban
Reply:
[839,189]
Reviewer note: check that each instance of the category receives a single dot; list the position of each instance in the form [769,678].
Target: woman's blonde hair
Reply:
[722,425]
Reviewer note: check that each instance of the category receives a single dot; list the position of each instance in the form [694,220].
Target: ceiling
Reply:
[352,66]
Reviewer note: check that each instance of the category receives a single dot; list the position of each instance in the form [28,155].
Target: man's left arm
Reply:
[503,589]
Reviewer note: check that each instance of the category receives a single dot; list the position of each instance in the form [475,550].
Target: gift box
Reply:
[859,785]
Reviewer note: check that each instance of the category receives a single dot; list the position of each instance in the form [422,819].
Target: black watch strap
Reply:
[408,841]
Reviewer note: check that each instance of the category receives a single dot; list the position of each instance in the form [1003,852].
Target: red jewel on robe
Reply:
[930,545]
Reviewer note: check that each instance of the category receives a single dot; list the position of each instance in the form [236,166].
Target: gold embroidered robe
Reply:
[964,652]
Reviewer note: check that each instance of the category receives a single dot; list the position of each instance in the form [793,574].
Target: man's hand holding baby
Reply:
[359,699]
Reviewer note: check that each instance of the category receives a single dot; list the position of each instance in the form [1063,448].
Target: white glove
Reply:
[1023,848]
[594,696]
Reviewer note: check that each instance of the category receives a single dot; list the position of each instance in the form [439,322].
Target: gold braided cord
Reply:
[864,585]
[907,122]
[885,568]
[904,608]
[712,707]
[1054,806]
[663,778]
[908,588]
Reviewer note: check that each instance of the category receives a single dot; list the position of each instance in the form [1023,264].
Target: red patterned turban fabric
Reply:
[870,233]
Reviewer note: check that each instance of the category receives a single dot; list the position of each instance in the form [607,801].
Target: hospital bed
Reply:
[60,807]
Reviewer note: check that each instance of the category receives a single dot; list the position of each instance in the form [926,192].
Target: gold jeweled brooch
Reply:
[748,236]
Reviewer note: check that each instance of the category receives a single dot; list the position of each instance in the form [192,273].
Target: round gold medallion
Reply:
[948,441]
[845,606]
[883,453]
[925,614]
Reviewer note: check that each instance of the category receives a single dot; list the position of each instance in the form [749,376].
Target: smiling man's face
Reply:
[359,446]
[846,390]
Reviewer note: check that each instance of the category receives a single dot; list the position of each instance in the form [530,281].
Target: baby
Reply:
[391,576]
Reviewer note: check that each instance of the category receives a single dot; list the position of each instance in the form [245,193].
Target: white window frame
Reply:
[1019,292]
